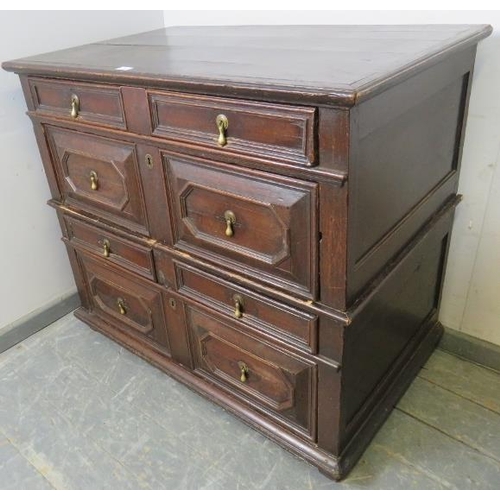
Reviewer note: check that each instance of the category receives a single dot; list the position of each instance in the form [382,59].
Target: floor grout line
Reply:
[79,432]
[422,470]
[411,465]
[22,455]
[458,394]
[465,360]
[442,431]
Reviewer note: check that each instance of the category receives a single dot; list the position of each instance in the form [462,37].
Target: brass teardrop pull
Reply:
[106,249]
[121,306]
[222,125]
[75,106]
[238,306]
[230,219]
[244,372]
[93,181]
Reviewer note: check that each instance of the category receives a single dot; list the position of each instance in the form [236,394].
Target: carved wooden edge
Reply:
[295,94]
[71,221]
[378,85]
[278,92]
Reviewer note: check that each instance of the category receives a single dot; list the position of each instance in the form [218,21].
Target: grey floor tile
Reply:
[12,358]
[94,353]
[166,464]
[41,366]
[67,457]
[450,462]
[59,335]
[124,431]
[460,418]
[468,380]
[127,374]
[16,472]
[379,469]
[217,438]
[15,397]
[261,464]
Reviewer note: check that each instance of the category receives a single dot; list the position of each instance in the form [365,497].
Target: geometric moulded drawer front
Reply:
[98,175]
[281,385]
[260,130]
[97,104]
[127,301]
[259,224]
[287,324]
[108,246]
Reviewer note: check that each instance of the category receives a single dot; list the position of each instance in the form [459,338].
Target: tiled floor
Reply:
[78,411]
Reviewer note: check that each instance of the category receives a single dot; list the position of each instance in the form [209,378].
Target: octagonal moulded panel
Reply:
[99,175]
[261,225]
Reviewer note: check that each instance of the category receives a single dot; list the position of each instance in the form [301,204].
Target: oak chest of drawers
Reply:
[263,212]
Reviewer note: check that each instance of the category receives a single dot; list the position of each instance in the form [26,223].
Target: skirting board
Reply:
[471,348]
[16,332]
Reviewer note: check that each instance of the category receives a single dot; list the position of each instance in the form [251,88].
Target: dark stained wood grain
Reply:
[321,64]
[404,163]
[326,171]
[284,133]
[109,246]
[117,194]
[135,106]
[273,318]
[164,254]
[275,220]
[275,380]
[98,104]
[126,300]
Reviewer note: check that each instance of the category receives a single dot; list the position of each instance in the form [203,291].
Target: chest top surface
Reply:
[337,65]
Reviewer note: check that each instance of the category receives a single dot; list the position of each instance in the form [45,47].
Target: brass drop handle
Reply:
[243,371]
[121,306]
[230,219]
[106,250]
[238,306]
[93,181]
[222,125]
[75,106]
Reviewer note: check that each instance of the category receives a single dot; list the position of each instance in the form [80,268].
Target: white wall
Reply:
[471,296]
[34,267]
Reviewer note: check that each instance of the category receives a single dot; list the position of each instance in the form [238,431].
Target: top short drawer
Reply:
[96,104]
[268,131]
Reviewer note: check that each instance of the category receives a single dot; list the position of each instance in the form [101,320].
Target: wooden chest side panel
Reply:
[389,320]
[405,162]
